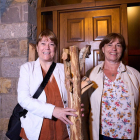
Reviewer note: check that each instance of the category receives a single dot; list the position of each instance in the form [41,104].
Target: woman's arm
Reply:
[34,106]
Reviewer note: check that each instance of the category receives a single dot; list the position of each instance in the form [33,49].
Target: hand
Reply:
[62,113]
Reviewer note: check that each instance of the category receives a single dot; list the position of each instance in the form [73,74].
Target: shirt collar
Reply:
[122,68]
[100,70]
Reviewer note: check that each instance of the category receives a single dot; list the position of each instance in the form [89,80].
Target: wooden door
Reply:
[83,28]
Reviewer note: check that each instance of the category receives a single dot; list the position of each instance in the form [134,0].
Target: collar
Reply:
[100,70]
[123,68]
[37,63]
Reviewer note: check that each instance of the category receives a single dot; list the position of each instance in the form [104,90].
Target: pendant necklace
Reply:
[113,74]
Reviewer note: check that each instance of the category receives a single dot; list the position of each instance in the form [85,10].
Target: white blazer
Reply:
[29,80]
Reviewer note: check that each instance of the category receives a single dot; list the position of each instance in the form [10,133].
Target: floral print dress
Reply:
[116,109]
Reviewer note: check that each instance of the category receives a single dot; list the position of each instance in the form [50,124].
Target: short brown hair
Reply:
[107,39]
[49,34]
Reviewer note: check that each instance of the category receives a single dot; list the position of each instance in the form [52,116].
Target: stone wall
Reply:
[17,30]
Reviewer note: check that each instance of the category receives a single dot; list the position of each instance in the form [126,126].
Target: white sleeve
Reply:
[35,106]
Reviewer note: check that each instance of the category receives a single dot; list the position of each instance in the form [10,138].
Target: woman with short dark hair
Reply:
[107,39]
[115,99]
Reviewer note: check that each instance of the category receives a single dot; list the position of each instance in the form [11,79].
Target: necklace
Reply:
[110,72]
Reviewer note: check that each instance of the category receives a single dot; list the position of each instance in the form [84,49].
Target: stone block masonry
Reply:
[18,27]
[5,85]
[11,66]
[16,30]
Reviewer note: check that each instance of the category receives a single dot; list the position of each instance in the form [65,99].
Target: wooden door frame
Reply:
[122,4]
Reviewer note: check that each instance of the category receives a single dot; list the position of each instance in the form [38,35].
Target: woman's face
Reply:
[46,49]
[113,51]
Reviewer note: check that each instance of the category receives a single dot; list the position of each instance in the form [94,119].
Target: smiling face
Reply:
[46,49]
[112,51]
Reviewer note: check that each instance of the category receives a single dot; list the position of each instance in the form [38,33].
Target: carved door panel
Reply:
[83,28]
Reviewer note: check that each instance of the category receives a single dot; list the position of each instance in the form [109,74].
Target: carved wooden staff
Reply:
[72,67]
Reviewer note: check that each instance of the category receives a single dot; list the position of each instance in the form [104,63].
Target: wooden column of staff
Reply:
[72,68]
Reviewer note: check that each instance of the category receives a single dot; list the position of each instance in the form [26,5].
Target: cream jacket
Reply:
[131,78]
[29,80]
